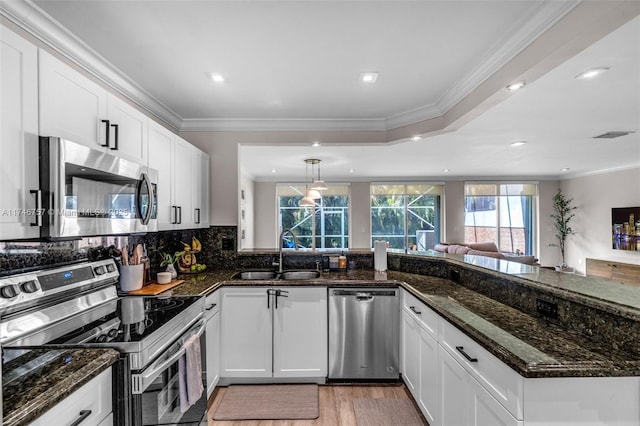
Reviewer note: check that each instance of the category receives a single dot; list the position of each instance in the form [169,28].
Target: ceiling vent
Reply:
[611,135]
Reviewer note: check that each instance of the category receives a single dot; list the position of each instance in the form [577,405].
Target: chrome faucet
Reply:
[281,242]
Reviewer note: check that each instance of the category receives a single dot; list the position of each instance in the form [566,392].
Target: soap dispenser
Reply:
[342,262]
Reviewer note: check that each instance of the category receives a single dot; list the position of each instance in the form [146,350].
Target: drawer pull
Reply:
[213,305]
[83,416]
[466,355]
[415,311]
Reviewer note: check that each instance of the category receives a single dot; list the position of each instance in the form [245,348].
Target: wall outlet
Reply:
[454,275]
[546,309]
[228,243]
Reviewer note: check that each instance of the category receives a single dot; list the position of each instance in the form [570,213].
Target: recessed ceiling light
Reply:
[446,170]
[352,171]
[592,72]
[518,143]
[218,78]
[273,170]
[368,77]
[416,138]
[315,144]
[516,86]
[565,169]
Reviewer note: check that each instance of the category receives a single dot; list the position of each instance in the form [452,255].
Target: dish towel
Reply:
[190,374]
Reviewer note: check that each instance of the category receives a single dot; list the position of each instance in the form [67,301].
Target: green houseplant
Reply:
[562,216]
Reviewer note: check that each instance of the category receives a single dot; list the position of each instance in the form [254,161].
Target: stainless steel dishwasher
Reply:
[363,333]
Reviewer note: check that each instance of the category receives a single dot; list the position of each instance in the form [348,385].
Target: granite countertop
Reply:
[54,375]
[532,346]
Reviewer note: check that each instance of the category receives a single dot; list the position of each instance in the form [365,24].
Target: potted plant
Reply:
[168,260]
[562,215]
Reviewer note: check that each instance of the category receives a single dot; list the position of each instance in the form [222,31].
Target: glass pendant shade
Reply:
[313,194]
[307,202]
[319,185]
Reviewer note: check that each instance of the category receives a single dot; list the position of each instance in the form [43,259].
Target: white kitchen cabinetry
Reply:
[201,165]
[245,332]
[410,353]
[212,313]
[89,405]
[420,355]
[264,335]
[300,333]
[18,136]
[465,402]
[74,107]
[183,181]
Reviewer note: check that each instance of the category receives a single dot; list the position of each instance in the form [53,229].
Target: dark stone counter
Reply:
[54,375]
[531,345]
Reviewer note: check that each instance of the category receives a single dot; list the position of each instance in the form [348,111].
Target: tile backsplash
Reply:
[20,256]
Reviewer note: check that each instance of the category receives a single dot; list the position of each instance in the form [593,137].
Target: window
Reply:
[327,222]
[503,213]
[407,216]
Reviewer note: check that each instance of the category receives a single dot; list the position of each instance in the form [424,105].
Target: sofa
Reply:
[487,249]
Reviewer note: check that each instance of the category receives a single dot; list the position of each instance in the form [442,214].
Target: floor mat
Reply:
[385,412]
[268,402]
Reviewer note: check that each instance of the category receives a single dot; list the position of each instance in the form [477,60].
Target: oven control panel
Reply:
[31,287]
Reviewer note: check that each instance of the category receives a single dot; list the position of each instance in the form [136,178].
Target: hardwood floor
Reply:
[336,407]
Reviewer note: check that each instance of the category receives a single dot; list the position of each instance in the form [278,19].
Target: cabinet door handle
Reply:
[466,355]
[198,215]
[38,214]
[415,311]
[179,214]
[83,416]
[213,305]
[107,125]
[115,132]
[270,292]
[175,215]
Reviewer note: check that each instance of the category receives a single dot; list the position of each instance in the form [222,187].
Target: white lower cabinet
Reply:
[90,405]
[212,314]
[464,402]
[267,335]
[428,383]
[410,353]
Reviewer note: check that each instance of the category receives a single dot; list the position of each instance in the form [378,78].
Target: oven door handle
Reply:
[140,382]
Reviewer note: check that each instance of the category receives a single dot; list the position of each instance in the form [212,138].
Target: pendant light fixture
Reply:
[312,192]
[319,184]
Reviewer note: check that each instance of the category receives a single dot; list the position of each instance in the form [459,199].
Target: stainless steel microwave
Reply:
[85,192]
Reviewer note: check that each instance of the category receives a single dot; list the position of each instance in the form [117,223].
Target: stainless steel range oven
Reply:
[78,306]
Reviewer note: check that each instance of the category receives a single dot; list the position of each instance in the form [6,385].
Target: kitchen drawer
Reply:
[426,317]
[212,304]
[93,398]
[504,384]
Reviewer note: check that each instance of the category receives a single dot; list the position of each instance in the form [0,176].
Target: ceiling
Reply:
[443,65]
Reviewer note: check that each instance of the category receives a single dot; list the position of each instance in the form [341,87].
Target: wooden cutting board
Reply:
[153,288]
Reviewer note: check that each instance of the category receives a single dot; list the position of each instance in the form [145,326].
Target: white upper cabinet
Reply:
[18,136]
[129,130]
[71,106]
[201,176]
[74,107]
[183,181]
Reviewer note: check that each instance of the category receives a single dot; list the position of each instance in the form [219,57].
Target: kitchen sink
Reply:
[299,275]
[273,275]
[256,275]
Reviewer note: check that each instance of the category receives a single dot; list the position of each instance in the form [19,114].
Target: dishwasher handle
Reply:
[364,297]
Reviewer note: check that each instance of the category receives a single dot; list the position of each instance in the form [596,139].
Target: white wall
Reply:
[266,221]
[594,196]
[246,207]
[360,216]
[225,166]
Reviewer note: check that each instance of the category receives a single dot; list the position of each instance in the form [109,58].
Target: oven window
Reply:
[161,399]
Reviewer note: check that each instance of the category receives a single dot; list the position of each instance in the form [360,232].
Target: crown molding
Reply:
[29,17]
[529,30]
[280,124]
